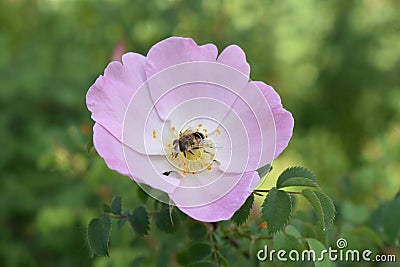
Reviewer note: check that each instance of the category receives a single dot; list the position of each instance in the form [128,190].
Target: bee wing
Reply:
[206,143]
[188,129]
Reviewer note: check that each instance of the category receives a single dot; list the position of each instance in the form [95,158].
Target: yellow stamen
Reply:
[200,125]
[218,131]
[195,156]
[154,134]
[193,160]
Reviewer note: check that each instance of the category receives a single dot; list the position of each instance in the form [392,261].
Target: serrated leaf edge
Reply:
[108,239]
[283,184]
[288,218]
[330,202]
[322,219]
[119,205]
[130,216]
[293,168]
[248,214]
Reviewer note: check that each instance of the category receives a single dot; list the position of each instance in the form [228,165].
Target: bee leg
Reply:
[184,153]
[191,152]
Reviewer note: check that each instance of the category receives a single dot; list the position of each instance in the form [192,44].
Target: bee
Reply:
[188,140]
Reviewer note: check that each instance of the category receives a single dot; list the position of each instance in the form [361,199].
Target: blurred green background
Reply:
[336,65]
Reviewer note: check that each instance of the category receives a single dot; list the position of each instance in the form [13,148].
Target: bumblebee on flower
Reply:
[228,126]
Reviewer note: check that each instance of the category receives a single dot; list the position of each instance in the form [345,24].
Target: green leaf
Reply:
[197,231]
[296,176]
[98,235]
[318,247]
[276,210]
[298,181]
[106,208]
[199,251]
[139,221]
[264,170]
[243,212]
[166,221]
[322,205]
[116,206]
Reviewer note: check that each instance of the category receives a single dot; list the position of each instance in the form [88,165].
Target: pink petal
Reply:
[283,119]
[252,113]
[235,57]
[226,206]
[110,149]
[204,187]
[195,111]
[173,82]
[142,168]
[143,130]
[109,96]
[194,81]
[150,169]
[176,50]
[232,140]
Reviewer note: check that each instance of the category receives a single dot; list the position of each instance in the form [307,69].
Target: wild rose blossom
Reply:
[188,122]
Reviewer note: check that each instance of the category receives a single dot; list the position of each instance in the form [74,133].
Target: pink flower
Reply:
[188,122]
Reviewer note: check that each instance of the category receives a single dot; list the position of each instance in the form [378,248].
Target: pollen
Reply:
[173,129]
[218,131]
[154,134]
[209,167]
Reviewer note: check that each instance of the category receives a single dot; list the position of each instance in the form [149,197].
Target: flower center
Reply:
[194,155]
[190,150]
